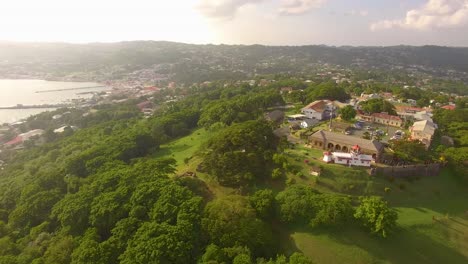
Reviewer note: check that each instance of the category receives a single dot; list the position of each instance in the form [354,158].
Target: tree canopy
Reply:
[377,106]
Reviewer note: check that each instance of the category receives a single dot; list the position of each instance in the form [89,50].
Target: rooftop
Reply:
[448,107]
[318,106]
[424,126]
[386,116]
[348,140]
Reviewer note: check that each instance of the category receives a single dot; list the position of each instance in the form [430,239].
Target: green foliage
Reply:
[242,259]
[276,174]
[241,154]
[374,213]
[347,113]
[231,221]
[60,250]
[454,124]
[333,211]
[296,97]
[410,150]
[327,90]
[377,106]
[213,254]
[296,204]
[302,205]
[366,135]
[238,109]
[34,209]
[299,258]
[88,249]
[295,258]
[263,203]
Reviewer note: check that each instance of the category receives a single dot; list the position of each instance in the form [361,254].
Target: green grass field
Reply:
[433,211]
[433,216]
[184,148]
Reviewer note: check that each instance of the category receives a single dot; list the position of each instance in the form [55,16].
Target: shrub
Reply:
[290,181]
[276,174]
[387,190]
[402,186]
[300,175]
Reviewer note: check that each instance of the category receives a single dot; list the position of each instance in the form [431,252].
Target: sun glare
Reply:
[103,21]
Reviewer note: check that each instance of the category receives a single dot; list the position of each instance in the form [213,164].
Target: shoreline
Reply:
[15,111]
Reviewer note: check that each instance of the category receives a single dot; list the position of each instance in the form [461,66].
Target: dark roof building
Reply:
[275,116]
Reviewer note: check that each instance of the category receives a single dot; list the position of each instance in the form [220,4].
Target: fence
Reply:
[407,171]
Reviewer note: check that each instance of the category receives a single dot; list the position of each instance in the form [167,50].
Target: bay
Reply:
[39,92]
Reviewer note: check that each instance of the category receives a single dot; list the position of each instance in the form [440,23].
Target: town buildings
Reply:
[24,137]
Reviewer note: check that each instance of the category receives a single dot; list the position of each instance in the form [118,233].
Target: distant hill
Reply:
[61,58]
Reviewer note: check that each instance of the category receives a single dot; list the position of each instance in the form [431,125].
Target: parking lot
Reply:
[389,131]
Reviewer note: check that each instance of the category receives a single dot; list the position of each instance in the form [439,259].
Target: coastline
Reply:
[18,105]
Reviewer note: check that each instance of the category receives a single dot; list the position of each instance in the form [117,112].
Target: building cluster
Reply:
[23,137]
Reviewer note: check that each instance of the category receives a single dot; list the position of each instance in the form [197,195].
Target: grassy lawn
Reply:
[433,216]
[433,211]
[184,148]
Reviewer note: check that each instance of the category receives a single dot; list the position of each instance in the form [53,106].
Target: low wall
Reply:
[407,171]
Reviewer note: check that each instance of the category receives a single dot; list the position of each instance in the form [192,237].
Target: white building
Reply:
[353,158]
[318,110]
[62,129]
[423,131]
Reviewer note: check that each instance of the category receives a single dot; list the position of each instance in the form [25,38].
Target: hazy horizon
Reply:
[235,22]
[218,44]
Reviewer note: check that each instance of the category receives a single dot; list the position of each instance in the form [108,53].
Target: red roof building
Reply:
[449,107]
[386,119]
[17,140]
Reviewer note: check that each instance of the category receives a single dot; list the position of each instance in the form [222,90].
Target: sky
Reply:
[269,22]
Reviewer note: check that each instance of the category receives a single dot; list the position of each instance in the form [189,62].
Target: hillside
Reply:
[194,63]
[206,180]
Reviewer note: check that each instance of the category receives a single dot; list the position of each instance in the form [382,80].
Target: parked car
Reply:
[369,128]
[379,132]
[348,132]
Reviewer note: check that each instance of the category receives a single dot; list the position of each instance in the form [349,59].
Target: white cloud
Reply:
[434,14]
[298,7]
[222,9]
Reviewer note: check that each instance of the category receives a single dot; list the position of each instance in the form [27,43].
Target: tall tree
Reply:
[375,214]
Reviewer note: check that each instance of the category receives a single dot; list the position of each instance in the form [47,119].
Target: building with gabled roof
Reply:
[423,131]
[338,142]
[386,119]
[320,109]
